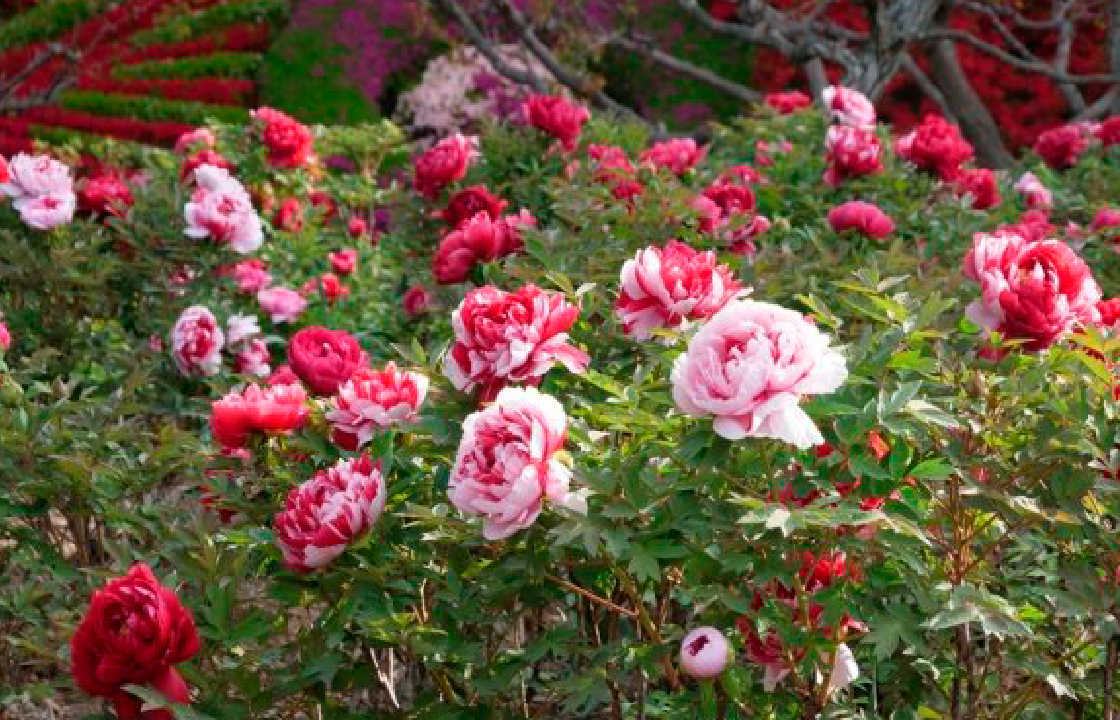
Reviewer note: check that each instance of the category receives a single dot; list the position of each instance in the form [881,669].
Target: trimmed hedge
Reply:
[200,22]
[221,64]
[48,20]
[147,108]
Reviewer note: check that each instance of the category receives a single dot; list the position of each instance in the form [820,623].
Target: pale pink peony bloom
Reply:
[221,209]
[507,462]
[241,327]
[1032,291]
[666,287]
[197,341]
[864,218]
[47,211]
[848,107]
[510,338]
[281,303]
[253,358]
[373,400]
[196,139]
[678,155]
[748,368]
[1033,191]
[705,653]
[34,175]
[250,276]
[324,515]
[850,151]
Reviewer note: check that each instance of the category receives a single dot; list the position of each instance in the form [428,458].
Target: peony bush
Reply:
[557,421]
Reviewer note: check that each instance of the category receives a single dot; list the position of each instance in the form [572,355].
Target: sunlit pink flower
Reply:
[34,175]
[862,217]
[678,155]
[47,211]
[1033,191]
[197,341]
[282,304]
[253,358]
[221,209]
[373,400]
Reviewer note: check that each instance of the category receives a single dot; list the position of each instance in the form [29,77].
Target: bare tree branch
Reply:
[480,41]
[1000,54]
[1100,108]
[648,49]
[1072,95]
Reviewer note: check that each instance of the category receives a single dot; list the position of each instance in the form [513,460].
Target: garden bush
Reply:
[490,431]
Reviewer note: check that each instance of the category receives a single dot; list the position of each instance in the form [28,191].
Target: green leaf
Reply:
[932,469]
[643,565]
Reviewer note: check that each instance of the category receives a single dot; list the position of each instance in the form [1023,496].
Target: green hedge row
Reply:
[148,108]
[47,20]
[222,64]
[191,25]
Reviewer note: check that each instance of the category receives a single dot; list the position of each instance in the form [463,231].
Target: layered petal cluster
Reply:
[42,191]
[282,304]
[105,195]
[222,210]
[275,409]
[289,142]
[507,463]
[937,146]
[197,341]
[850,151]
[510,339]
[677,155]
[468,202]
[1061,147]
[848,107]
[324,359]
[979,185]
[326,514]
[134,633]
[373,400]
[444,163]
[665,287]
[862,217]
[1031,290]
[478,239]
[558,117]
[748,368]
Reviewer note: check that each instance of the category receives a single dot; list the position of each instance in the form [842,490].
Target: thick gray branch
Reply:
[922,80]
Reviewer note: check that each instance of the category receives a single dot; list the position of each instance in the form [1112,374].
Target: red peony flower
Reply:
[357,226]
[105,195]
[283,375]
[322,201]
[510,338]
[1062,147]
[289,142]
[477,240]
[200,158]
[980,185]
[134,633]
[324,359]
[289,216]
[1108,132]
[468,202]
[850,152]
[864,218]
[416,301]
[446,162]
[678,155]
[276,409]
[332,288]
[937,146]
[344,261]
[789,102]
[557,116]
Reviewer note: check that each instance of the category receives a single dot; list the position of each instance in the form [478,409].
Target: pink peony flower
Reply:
[282,304]
[709,213]
[324,515]
[416,301]
[678,155]
[850,152]
[5,337]
[280,408]
[344,261]
[373,400]
[34,175]
[742,240]
[47,211]
[196,342]
[848,107]
[510,338]
[978,184]
[864,218]
[221,209]
[1035,193]
[507,462]
[250,276]
[1061,147]
[1106,219]
[357,226]
[1033,291]
[324,359]
[667,287]
[198,138]
[253,358]
[283,375]
[289,142]
[748,368]
[477,240]
[241,327]
[789,102]
[558,117]
[937,146]
[705,653]
[511,229]
[446,162]
[468,202]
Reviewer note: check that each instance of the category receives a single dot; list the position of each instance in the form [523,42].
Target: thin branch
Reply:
[479,40]
[926,85]
[1000,54]
[1072,95]
[591,596]
[645,47]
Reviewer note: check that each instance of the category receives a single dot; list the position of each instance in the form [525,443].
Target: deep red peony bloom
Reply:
[937,146]
[864,218]
[1108,132]
[1063,146]
[850,151]
[557,116]
[468,202]
[289,216]
[416,301]
[105,195]
[444,163]
[289,142]
[134,633]
[206,156]
[332,288]
[324,359]
[477,240]
[980,185]
[789,102]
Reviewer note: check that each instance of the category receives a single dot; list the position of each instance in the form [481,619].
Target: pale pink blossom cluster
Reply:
[221,209]
[42,191]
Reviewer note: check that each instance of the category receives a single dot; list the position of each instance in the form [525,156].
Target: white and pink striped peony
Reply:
[507,462]
[197,341]
[666,287]
[221,209]
[510,339]
[325,514]
[372,400]
[748,368]
[848,107]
